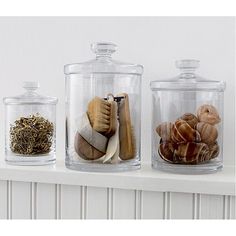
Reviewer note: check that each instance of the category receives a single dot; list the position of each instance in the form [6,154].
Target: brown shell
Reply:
[208,114]
[183,132]
[208,132]
[191,153]
[190,118]
[86,150]
[214,150]
[164,131]
[166,151]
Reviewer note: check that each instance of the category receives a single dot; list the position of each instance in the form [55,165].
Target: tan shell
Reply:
[191,153]
[208,132]
[85,150]
[164,131]
[214,150]
[208,114]
[183,132]
[190,118]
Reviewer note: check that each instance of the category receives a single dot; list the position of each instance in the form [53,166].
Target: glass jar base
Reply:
[207,168]
[20,160]
[100,167]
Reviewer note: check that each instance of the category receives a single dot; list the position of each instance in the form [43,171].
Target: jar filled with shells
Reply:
[103,113]
[187,122]
[30,127]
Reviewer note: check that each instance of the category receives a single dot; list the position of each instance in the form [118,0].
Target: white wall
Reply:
[37,49]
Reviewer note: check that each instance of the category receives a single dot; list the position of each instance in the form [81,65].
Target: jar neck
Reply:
[187,73]
[103,56]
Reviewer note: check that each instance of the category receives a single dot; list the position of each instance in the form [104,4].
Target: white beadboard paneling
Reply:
[3,199]
[181,206]
[97,203]
[145,179]
[21,200]
[46,201]
[232,207]
[212,207]
[70,202]
[124,206]
[152,205]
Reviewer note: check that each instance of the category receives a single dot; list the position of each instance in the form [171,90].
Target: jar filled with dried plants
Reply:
[30,125]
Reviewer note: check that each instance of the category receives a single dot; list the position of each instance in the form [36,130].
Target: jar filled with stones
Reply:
[30,127]
[187,123]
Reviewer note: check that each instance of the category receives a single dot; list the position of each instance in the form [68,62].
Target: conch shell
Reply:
[183,132]
[208,114]
[164,131]
[184,153]
[166,151]
[190,118]
[192,153]
[208,132]
[214,150]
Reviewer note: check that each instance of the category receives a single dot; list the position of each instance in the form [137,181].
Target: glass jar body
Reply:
[185,147]
[30,134]
[81,89]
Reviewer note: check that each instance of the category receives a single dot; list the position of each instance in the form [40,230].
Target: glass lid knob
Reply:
[103,48]
[187,66]
[31,85]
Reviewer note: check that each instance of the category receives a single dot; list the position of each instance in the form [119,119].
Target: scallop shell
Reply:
[191,153]
[166,151]
[208,114]
[190,118]
[214,150]
[208,132]
[183,132]
[164,131]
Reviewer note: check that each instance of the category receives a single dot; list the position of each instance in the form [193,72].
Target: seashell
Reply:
[183,132]
[214,150]
[191,153]
[190,118]
[208,114]
[164,131]
[166,151]
[85,150]
[208,132]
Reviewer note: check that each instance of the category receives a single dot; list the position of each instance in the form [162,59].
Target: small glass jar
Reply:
[30,127]
[187,122]
[103,105]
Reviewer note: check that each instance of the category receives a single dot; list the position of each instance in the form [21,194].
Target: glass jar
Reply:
[30,127]
[187,122]
[103,103]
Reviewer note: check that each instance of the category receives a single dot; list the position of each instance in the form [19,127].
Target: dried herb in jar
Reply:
[31,135]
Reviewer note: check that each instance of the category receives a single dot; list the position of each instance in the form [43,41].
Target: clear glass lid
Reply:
[103,62]
[187,79]
[30,96]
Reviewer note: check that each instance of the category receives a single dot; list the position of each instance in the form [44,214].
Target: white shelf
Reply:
[222,182]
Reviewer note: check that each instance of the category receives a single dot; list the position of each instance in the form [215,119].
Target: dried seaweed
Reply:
[31,135]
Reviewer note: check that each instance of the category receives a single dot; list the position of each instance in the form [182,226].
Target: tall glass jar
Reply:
[187,122]
[103,99]
[30,127]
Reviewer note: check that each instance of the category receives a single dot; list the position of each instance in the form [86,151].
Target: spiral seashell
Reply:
[166,151]
[164,131]
[214,150]
[191,153]
[208,132]
[190,118]
[208,114]
[183,132]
